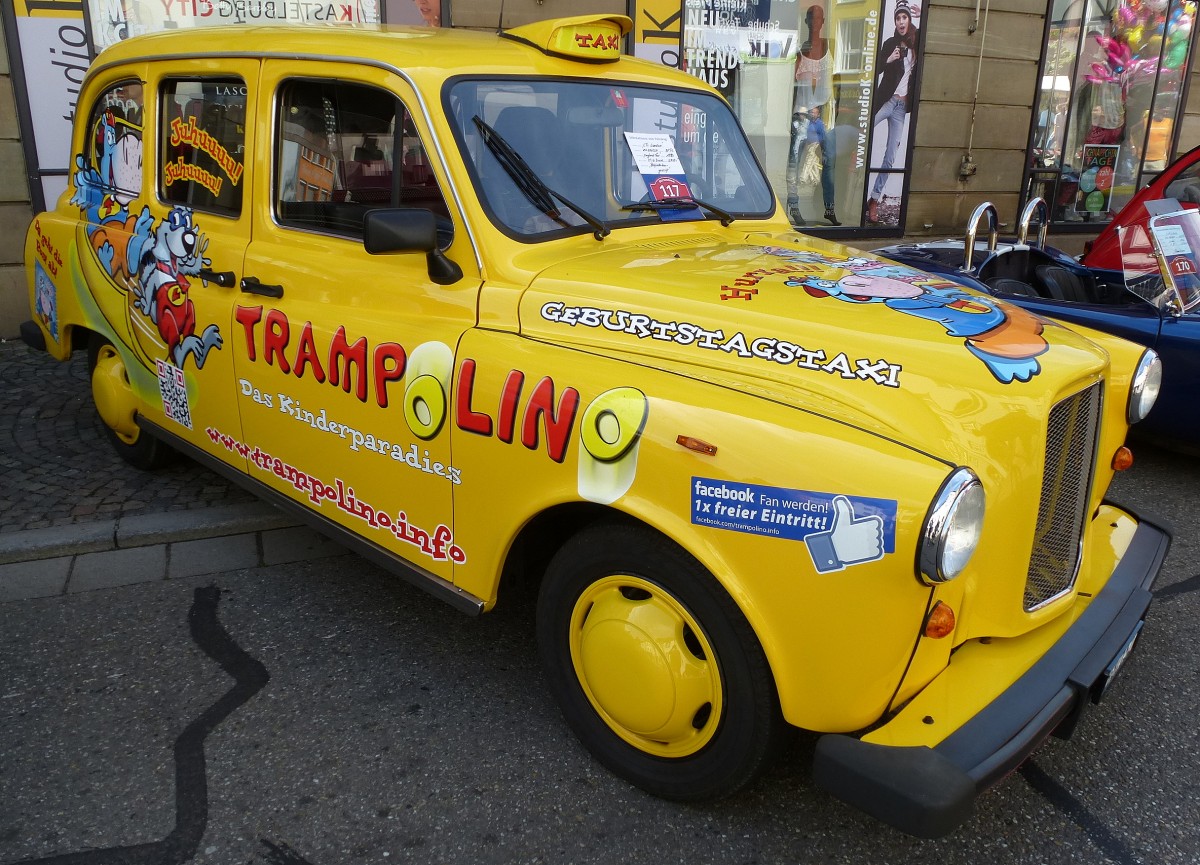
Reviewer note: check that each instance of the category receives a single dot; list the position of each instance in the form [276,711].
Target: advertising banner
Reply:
[150,16]
[658,31]
[51,57]
[894,75]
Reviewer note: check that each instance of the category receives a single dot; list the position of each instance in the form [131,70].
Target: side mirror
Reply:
[409,229]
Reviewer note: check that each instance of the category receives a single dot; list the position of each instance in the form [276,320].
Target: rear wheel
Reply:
[117,406]
[654,667]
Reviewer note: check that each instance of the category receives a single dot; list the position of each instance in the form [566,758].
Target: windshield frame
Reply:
[459,115]
[1176,251]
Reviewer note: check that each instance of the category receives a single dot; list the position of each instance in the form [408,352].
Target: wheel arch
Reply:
[546,533]
[537,541]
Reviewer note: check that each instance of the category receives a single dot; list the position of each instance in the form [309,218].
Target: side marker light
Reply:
[940,622]
[1122,459]
[694,444]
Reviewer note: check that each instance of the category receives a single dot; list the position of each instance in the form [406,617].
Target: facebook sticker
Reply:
[838,530]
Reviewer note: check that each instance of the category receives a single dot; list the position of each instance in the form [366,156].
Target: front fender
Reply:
[838,633]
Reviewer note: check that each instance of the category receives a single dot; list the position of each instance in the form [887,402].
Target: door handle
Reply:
[251,285]
[223,278]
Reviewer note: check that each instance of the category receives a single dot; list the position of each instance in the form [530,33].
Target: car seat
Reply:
[1008,285]
[1063,284]
[533,132]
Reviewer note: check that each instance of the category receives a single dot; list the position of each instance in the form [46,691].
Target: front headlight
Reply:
[1147,381]
[952,528]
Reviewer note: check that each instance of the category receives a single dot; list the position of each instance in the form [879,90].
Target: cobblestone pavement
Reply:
[56,465]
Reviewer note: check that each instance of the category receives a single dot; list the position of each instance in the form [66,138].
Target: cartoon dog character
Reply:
[1007,339]
[175,252]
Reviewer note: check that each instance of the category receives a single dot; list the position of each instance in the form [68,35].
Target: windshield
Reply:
[1163,265]
[1177,237]
[595,149]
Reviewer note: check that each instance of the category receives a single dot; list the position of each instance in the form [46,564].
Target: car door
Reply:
[344,358]
[178,246]
[1176,415]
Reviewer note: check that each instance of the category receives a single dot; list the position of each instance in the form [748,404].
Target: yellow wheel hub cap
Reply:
[113,395]
[646,666]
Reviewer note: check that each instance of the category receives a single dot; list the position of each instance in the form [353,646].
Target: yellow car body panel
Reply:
[788,410]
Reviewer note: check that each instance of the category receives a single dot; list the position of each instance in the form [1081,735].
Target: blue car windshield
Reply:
[563,156]
[1177,253]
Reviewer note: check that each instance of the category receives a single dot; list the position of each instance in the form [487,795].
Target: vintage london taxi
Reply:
[490,305]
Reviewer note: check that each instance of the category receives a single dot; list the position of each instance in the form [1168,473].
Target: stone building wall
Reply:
[15,210]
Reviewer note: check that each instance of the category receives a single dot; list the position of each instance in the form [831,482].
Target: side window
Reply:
[203,144]
[113,151]
[1186,186]
[344,149]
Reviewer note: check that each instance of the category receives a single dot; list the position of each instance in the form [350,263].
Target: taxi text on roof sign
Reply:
[584,37]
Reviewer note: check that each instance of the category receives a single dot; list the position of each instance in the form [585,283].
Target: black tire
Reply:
[637,701]
[116,406]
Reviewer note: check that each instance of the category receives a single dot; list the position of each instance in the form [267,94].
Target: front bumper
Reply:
[928,791]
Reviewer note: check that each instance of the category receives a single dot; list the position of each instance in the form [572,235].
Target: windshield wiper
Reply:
[539,194]
[681,201]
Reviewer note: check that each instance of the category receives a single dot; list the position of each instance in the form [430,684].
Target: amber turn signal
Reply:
[697,445]
[940,622]
[1122,459]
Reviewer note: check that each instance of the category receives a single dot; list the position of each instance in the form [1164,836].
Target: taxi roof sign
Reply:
[590,38]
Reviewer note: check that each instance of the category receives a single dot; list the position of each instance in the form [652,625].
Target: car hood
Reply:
[818,326]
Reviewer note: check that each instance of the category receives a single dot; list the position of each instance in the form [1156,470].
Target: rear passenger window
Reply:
[112,155]
[203,144]
[345,149]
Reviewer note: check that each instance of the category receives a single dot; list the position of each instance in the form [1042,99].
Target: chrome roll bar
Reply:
[1027,217]
[993,232]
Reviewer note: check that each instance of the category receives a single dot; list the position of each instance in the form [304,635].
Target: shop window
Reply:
[344,149]
[203,144]
[826,91]
[851,36]
[1108,105]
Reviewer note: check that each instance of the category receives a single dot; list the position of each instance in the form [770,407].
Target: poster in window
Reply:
[895,78]
[1096,177]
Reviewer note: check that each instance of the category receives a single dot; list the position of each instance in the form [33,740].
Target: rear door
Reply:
[183,240]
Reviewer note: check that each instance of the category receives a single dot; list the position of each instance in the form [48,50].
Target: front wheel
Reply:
[117,406]
[654,667]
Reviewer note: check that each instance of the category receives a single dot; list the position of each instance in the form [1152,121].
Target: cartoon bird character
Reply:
[1007,339]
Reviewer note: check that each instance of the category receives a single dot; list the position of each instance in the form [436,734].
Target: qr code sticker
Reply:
[173,388]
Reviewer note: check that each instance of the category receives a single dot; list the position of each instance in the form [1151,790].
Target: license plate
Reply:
[1114,666]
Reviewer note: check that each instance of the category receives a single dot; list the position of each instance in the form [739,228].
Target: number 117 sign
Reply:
[662,172]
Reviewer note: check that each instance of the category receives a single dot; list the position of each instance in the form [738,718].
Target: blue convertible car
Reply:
[1153,299]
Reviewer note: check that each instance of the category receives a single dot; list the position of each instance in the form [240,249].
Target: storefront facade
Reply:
[874,119]
[922,113]
[1109,100]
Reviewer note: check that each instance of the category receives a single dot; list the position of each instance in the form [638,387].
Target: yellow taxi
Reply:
[490,305]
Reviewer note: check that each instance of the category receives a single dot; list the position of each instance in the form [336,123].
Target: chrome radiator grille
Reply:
[1066,483]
